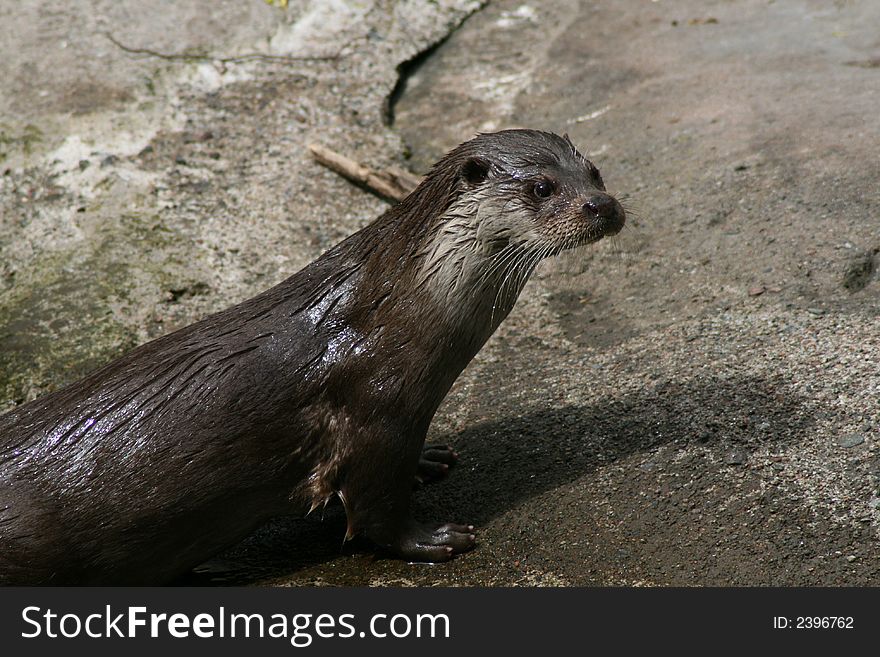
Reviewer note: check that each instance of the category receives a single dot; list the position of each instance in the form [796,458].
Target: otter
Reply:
[321,386]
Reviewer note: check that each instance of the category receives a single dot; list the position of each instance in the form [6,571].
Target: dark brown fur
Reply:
[323,385]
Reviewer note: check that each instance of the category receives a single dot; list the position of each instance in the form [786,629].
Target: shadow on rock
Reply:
[506,462]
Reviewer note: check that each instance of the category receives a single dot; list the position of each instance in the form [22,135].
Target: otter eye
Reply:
[543,189]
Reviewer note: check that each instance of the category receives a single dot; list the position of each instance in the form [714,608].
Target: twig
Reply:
[392,183]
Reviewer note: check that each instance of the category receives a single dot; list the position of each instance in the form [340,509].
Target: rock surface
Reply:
[643,417]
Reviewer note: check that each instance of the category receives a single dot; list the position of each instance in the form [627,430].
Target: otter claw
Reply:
[425,543]
[434,463]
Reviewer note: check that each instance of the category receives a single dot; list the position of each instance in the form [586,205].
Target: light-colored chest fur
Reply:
[478,259]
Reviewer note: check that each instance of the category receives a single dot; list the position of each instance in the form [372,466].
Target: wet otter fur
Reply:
[321,386]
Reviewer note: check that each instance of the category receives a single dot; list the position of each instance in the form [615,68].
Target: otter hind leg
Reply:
[434,463]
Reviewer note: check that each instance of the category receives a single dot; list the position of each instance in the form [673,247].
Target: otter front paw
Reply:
[434,463]
[432,543]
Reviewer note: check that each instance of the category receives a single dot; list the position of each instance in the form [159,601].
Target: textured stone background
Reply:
[694,402]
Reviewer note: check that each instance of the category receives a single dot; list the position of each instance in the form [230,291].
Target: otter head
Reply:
[532,189]
[510,199]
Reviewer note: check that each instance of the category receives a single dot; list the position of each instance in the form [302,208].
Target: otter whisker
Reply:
[499,269]
[516,265]
[511,253]
[510,267]
[518,274]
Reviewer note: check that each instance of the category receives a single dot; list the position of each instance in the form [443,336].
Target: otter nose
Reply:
[601,205]
[606,212]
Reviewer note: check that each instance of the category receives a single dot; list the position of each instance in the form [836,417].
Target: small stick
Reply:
[392,183]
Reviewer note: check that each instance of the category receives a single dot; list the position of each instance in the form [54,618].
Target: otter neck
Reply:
[472,270]
[463,276]
[433,287]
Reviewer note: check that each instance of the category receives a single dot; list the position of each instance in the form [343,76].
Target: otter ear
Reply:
[475,170]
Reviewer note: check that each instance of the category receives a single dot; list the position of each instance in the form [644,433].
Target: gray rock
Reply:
[851,440]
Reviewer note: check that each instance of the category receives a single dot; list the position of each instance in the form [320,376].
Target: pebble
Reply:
[736,457]
[851,440]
